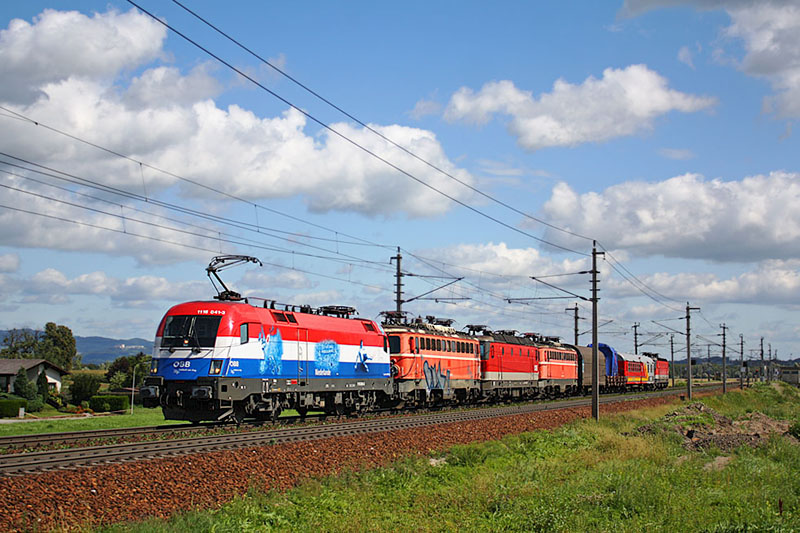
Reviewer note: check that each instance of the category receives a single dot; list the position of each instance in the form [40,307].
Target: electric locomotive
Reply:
[432,363]
[230,359]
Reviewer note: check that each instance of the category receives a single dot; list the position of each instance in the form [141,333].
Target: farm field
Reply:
[635,471]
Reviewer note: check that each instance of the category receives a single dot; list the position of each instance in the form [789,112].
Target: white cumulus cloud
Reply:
[62,44]
[772,282]
[688,216]
[9,263]
[496,265]
[623,102]
[770,33]
[166,86]
[424,108]
[53,286]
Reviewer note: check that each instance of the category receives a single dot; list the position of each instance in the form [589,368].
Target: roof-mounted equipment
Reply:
[221,262]
[341,311]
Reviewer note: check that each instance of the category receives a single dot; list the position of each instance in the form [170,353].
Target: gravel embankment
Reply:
[161,487]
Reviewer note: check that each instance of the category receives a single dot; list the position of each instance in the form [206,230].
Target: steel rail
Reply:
[38,439]
[92,434]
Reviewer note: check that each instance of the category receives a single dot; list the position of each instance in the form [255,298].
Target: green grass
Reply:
[582,477]
[140,417]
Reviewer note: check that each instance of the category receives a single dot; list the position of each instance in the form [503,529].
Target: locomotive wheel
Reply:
[238,416]
[276,413]
[302,411]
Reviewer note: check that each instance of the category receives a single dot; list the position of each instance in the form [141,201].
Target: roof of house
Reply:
[9,367]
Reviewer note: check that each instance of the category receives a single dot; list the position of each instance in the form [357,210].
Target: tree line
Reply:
[55,344]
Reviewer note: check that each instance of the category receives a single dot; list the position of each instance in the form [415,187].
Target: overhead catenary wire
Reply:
[352,142]
[640,285]
[211,235]
[214,236]
[106,188]
[183,178]
[184,245]
[348,258]
[376,132]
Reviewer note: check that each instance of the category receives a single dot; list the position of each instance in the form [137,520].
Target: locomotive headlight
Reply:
[154,366]
[216,366]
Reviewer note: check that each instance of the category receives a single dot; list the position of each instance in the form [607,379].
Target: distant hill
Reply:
[101,349]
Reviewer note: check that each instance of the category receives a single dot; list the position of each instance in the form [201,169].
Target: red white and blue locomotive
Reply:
[232,359]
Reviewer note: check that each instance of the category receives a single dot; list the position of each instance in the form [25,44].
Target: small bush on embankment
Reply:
[109,402]
[10,406]
[610,476]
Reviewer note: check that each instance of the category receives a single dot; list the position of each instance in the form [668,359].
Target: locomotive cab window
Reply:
[244,334]
[394,344]
[190,331]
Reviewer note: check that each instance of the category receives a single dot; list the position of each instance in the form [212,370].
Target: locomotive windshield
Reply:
[394,344]
[189,331]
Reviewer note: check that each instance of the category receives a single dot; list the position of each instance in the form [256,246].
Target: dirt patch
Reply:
[719,462]
[702,427]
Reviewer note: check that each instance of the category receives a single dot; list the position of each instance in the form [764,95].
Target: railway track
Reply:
[40,461]
[24,441]
[27,441]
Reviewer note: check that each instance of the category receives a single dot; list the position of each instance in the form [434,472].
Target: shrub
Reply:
[117,380]
[56,400]
[42,387]
[35,405]
[11,407]
[109,402]
[794,430]
[23,386]
[83,387]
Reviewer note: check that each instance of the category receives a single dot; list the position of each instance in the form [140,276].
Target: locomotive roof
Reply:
[233,313]
[635,357]
[425,329]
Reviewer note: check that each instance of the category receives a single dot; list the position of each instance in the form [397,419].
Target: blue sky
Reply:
[663,129]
